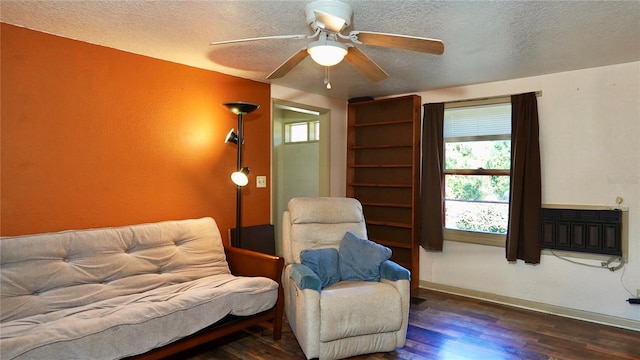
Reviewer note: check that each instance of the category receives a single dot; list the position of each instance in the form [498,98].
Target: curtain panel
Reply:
[525,202]
[432,222]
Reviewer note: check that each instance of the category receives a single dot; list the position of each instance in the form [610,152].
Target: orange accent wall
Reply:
[92,136]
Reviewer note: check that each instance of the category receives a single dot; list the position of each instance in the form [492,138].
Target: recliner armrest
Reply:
[392,271]
[305,278]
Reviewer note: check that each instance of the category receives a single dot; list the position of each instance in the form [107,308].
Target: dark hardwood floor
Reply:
[444,326]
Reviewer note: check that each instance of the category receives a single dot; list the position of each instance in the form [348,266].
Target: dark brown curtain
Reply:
[432,178]
[523,240]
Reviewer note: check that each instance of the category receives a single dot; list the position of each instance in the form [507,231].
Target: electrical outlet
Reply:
[261,181]
[638,293]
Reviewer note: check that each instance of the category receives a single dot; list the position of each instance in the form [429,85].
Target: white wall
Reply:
[590,149]
[337,112]
[333,112]
[303,157]
[295,167]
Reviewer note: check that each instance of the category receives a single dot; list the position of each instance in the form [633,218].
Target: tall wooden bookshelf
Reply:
[383,173]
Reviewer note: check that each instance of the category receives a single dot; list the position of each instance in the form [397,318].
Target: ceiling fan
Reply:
[327,19]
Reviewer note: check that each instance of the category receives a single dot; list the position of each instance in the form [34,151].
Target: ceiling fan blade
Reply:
[329,22]
[260,38]
[426,45]
[291,62]
[365,66]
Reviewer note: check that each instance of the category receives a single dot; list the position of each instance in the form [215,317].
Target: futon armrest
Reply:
[392,271]
[305,278]
[244,262]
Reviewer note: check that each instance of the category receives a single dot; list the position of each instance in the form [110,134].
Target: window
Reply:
[302,131]
[477,141]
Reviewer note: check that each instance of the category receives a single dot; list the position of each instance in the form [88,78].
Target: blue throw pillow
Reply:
[324,263]
[360,259]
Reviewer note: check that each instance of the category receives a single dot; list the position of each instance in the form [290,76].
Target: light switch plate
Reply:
[261,181]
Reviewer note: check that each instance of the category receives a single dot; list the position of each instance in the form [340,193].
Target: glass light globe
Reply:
[327,53]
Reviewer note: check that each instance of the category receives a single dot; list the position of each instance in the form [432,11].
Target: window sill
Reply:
[472,237]
[301,142]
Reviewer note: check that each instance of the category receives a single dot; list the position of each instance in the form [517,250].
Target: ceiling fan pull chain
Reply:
[327,81]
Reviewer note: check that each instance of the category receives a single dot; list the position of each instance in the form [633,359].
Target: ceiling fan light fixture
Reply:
[327,52]
[328,19]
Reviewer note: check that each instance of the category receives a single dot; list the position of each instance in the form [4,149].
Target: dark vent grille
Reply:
[590,231]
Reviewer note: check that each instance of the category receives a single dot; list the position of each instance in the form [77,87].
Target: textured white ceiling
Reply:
[484,40]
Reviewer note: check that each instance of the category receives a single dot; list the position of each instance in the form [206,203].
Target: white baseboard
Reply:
[536,306]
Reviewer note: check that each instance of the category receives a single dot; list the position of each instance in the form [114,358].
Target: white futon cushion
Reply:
[133,324]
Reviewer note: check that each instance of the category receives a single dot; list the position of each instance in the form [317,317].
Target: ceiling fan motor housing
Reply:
[331,7]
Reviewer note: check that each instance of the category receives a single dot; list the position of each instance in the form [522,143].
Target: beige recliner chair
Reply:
[334,318]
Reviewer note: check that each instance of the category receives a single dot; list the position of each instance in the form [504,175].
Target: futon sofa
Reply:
[147,290]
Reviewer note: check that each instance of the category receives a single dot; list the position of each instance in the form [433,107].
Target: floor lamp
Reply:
[241,176]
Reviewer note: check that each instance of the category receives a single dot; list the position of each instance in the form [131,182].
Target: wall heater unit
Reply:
[582,230]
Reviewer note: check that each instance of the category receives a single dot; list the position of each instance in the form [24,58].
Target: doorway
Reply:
[300,164]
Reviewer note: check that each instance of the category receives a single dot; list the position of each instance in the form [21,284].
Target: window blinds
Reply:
[484,120]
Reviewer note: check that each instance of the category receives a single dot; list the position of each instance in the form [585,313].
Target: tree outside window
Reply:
[477,162]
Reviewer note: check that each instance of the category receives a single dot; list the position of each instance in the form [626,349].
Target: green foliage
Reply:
[479,190]
[500,155]
[489,219]
[465,187]
[500,186]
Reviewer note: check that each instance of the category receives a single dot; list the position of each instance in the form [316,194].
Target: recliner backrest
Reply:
[319,222]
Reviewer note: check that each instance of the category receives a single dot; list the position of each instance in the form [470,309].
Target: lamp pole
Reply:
[240,108]
[238,187]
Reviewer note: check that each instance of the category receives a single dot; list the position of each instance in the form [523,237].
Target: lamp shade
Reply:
[239,107]
[231,137]
[241,177]
[327,52]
